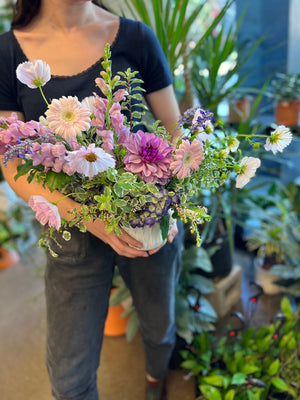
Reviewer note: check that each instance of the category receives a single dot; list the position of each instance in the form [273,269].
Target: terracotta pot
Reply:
[115,325]
[239,111]
[8,258]
[287,112]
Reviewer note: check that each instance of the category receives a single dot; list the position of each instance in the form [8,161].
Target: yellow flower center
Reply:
[91,157]
[68,115]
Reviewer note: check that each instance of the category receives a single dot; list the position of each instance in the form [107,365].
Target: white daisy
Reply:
[67,117]
[279,139]
[248,166]
[90,161]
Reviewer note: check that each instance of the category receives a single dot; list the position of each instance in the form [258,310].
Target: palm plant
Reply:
[217,68]
[172,23]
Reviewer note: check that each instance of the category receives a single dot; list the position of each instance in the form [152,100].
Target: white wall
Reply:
[293,64]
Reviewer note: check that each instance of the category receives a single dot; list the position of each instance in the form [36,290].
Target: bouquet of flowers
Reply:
[93,152]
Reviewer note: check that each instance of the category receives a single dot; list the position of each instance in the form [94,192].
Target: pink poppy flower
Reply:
[46,212]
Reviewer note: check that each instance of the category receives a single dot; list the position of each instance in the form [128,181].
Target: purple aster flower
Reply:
[149,157]
[46,212]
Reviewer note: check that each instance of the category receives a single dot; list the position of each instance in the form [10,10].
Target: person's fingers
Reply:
[153,251]
[123,249]
[125,237]
[173,231]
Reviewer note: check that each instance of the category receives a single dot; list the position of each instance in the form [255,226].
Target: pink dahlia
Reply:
[90,161]
[46,212]
[149,157]
[187,157]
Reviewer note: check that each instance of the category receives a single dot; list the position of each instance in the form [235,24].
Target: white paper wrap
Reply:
[150,237]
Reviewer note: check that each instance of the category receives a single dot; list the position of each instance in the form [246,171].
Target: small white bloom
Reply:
[43,120]
[233,144]
[33,74]
[279,139]
[249,166]
[88,102]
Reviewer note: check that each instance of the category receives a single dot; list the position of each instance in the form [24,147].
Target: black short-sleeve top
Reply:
[135,47]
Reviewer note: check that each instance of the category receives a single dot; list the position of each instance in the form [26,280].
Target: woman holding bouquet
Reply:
[70,36]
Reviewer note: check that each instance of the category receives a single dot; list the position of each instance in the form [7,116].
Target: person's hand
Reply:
[172,233]
[121,244]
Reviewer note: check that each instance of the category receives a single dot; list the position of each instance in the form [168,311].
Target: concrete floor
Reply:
[23,374]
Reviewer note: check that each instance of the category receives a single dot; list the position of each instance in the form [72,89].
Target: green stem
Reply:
[42,93]
[68,195]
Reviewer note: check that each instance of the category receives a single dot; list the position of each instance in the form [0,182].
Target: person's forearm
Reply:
[24,189]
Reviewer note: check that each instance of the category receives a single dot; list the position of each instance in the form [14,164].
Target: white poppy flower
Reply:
[33,74]
[249,166]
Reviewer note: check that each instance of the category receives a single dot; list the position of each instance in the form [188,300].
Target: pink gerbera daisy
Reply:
[187,157]
[67,117]
[46,212]
[90,161]
[149,157]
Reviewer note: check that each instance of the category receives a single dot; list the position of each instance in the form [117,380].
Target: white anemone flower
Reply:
[90,161]
[34,74]
[67,117]
[279,139]
[248,166]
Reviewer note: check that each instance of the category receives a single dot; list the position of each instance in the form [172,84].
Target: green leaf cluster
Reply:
[256,364]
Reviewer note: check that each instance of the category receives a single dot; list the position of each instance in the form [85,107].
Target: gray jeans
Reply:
[78,284]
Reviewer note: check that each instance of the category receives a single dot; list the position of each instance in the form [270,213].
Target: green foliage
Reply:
[285,87]
[172,22]
[254,364]
[5,16]
[18,227]
[275,235]
[194,313]
[216,71]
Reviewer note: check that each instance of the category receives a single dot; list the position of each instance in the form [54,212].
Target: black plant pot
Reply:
[176,358]
[221,259]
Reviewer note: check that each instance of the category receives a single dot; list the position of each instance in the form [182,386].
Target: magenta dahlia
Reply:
[149,157]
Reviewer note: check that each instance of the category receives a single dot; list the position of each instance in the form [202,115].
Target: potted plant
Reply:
[10,231]
[122,317]
[217,72]
[193,314]
[273,231]
[285,90]
[249,363]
